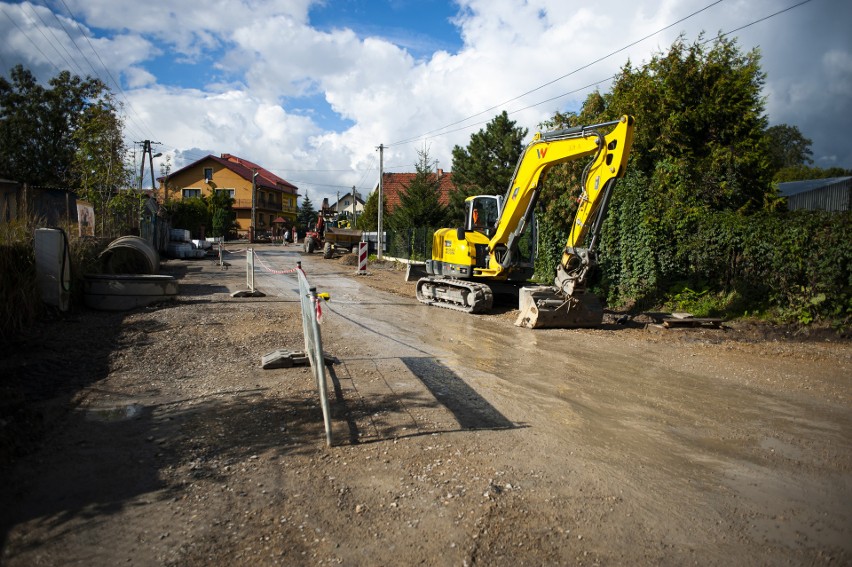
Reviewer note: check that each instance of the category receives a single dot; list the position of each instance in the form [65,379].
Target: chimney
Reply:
[440,172]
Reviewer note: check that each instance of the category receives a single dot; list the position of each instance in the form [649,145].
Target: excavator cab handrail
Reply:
[575,131]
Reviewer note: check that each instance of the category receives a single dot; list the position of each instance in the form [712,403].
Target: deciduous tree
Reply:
[787,147]
[38,125]
[699,147]
[98,163]
[369,218]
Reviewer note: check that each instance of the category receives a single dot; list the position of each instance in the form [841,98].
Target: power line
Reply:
[139,128]
[716,38]
[26,35]
[748,25]
[510,112]
[83,55]
[69,65]
[76,65]
[577,70]
[47,39]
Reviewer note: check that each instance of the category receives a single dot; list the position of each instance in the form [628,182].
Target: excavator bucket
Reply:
[543,307]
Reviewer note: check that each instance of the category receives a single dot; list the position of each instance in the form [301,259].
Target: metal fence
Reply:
[410,243]
[311,315]
[311,307]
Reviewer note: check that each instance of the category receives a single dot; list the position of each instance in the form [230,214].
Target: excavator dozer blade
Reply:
[542,307]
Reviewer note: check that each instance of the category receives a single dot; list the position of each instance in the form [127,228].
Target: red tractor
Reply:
[331,238]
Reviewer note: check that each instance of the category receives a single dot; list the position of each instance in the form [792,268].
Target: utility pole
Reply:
[146,148]
[253,202]
[354,210]
[381,199]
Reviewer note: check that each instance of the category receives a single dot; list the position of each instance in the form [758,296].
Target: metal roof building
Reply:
[830,194]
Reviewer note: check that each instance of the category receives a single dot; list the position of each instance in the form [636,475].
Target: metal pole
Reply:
[253,206]
[381,199]
[145,148]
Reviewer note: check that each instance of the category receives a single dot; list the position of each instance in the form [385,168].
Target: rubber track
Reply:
[483,297]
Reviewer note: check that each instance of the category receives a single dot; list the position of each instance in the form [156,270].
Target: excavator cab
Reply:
[481,213]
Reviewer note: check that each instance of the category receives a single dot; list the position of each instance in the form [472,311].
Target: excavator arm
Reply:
[546,150]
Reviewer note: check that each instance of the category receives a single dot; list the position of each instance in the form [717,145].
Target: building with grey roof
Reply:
[830,194]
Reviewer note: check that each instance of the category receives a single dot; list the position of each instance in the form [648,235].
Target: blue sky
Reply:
[420,26]
[310,88]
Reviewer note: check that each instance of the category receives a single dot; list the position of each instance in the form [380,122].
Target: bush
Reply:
[794,263]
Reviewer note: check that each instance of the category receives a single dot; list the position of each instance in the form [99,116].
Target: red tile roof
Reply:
[394,184]
[243,168]
[270,179]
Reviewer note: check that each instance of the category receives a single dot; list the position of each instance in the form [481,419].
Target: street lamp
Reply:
[153,177]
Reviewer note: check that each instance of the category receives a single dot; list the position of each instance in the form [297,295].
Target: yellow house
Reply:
[275,199]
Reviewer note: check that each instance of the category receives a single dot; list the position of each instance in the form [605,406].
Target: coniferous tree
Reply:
[220,207]
[307,214]
[486,166]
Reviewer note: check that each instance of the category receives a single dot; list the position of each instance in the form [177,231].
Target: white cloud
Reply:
[137,77]
[272,65]
[188,26]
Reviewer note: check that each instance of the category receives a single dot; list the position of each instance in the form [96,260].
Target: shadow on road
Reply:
[471,410]
[394,414]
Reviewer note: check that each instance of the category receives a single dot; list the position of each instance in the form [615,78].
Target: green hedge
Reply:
[793,265]
[796,262]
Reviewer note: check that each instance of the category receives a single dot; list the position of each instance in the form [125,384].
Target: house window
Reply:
[230,192]
[190,193]
[208,173]
[271,218]
[346,203]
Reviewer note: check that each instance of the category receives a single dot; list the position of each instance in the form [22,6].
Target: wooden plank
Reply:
[671,322]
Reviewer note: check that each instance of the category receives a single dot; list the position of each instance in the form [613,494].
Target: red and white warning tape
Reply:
[266,267]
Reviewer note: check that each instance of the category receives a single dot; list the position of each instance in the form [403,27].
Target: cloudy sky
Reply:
[310,88]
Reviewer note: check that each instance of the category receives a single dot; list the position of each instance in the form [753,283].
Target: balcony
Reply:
[265,205]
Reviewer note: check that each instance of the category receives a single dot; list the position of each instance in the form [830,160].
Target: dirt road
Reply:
[459,440]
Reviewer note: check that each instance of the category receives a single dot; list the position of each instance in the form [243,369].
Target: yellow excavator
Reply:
[495,250]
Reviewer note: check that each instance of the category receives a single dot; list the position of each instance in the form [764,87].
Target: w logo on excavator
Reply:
[541,152]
